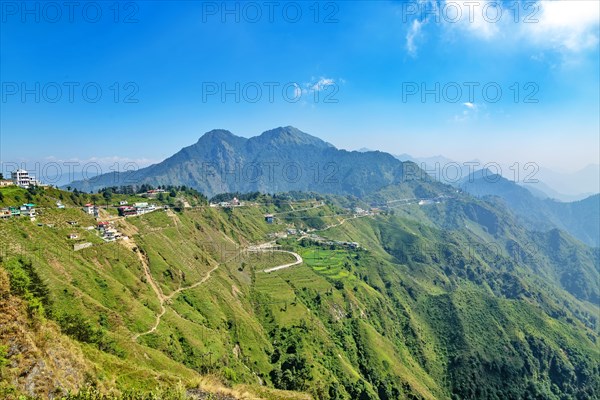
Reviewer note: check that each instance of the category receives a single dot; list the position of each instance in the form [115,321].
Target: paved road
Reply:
[271,246]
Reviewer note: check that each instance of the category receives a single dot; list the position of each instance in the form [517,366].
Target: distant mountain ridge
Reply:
[278,160]
[580,218]
[571,186]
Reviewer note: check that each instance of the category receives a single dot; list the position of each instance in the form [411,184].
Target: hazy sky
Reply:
[137,81]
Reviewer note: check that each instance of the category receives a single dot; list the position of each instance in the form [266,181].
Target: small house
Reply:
[123,202]
[153,193]
[73,236]
[89,208]
[5,213]
[110,234]
[28,210]
[269,218]
[125,211]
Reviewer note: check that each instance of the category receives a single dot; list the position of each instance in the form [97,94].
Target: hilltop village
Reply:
[110,205]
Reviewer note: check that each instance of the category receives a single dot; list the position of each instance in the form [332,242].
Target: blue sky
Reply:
[169,62]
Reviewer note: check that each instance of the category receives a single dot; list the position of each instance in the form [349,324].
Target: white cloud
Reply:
[297,90]
[471,112]
[413,33]
[322,84]
[568,25]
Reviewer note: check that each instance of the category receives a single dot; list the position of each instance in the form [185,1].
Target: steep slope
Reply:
[33,353]
[279,160]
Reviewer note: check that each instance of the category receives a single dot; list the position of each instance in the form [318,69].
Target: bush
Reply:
[26,283]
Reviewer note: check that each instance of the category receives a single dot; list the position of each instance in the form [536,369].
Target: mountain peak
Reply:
[217,134]
[291,135]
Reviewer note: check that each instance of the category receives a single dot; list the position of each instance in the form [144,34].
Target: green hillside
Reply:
[449,300]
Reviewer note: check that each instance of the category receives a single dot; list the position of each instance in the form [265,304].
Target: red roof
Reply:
[102,223]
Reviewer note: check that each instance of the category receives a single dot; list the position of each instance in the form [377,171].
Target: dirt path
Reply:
[300,209]
[341,223]
[200,282]
[268,246]
[171,214]
[159,294]
[130,244]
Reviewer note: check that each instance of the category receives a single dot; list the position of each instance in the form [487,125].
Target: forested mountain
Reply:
[279,160]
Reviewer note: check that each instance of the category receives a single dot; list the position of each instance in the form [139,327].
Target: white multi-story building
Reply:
[22,178]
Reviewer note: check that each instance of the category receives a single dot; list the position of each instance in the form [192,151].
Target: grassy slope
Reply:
[400,318]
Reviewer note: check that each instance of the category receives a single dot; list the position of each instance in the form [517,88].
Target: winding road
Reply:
[271,246]
[268,246]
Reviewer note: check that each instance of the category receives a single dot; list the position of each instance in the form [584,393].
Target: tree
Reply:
[107,194]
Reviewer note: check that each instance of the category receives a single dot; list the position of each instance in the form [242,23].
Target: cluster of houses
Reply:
[91,209]
[26,210]
[233,203]
[108,232]
[350,245]
[136,209]
[320,240]
[153,193]
[362,212]
[288,232]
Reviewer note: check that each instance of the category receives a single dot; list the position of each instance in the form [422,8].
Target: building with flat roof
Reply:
[22,179]
[28,210]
